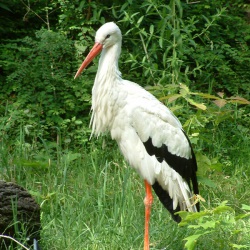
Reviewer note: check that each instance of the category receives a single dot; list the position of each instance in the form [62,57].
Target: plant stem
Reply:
[10,238]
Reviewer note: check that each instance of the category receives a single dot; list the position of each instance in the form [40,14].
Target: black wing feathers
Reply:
[185,167]
[166,201]
[193,175]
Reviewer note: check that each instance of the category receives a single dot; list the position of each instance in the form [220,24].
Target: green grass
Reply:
[92,199]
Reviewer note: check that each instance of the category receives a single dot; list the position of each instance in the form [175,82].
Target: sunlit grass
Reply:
[92,199]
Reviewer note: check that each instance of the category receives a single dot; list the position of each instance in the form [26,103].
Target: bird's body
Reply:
[148,134]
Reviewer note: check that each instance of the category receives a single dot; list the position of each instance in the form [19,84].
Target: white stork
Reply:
[149,136]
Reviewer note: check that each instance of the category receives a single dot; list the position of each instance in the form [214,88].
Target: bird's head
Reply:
[107,35]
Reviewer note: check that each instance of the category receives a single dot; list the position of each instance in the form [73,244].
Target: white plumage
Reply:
[149,136]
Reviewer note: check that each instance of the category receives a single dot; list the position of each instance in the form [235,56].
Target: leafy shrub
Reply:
[221,228]
[41,91]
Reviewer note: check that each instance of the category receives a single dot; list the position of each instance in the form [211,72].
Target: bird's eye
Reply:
[107,36]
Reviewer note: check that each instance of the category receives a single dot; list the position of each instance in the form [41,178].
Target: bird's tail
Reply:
[167,201]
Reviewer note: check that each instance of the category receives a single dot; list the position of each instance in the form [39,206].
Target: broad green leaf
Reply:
[207,182]
[140,20]
[161,42]
[198,105]
[188,216]
[80,47]
[223,203]
[170,98]
[222,209]
[204,225]
[242,216]
[195,216]
[133,15]
[176,107]
[217,166]
[192,240]
[208,21]
[179,5]
[151,29]
[185,87]
[182,214]
[71,157]
[203,159]
[207,96]
[239,246]
[245,207]
[237,231]
[5,7]
[78,122]
[67,140]
[183,92]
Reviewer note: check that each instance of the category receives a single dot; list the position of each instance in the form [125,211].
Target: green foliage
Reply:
[41,93]
[171,40]
[41,66]
[221,228]
[226,50]
[165,42]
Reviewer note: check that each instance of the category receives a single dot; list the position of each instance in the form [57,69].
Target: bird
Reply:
[149,135]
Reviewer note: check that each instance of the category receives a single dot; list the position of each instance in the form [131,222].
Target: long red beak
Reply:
[97,48]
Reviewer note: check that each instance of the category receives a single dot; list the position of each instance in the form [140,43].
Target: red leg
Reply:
[148,203]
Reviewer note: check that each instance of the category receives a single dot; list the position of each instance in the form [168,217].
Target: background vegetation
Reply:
[193,55]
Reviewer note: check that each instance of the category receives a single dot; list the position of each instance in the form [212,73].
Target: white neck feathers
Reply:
[107,77]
